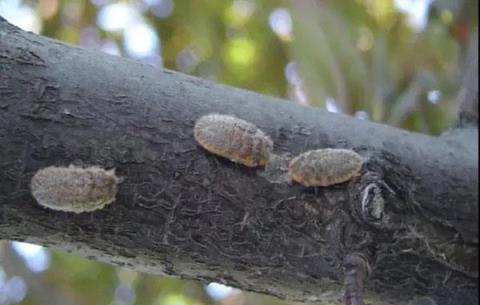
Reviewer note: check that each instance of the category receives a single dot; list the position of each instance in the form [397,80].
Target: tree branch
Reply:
[182,211]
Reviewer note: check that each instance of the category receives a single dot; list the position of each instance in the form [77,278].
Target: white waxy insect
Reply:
[234,139]
[324,167]
[74,189]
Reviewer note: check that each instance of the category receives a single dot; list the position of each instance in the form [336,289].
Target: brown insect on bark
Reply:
[324,167]
[234,139]
[74,189]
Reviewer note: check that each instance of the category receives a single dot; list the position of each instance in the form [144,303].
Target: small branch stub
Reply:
[357,270]
[234,139]
[324,167]
[74,189]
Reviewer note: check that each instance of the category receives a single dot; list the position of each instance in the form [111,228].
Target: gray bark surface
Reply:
[184,212]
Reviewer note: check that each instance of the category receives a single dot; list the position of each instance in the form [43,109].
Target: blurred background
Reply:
[396,62]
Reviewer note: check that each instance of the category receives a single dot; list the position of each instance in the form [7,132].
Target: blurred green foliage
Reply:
[359,57]
[368,57]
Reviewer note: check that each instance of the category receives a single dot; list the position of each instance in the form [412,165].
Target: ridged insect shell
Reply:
[324,167]
[234,139]
[74,189]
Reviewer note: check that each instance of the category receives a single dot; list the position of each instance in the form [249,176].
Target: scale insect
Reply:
[74,189]
[234,139]
[324,167]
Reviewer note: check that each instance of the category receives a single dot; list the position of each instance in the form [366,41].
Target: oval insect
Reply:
[74,189]
[234,139]
[324,167]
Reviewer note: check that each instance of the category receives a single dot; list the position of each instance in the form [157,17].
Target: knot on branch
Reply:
[372,201]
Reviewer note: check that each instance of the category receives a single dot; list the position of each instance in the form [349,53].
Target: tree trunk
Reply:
[184,212]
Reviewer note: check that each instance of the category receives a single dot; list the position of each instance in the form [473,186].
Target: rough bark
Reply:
[184,212]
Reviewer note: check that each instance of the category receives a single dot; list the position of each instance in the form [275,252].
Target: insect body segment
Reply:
[234,139]
[74,189]
[324,167]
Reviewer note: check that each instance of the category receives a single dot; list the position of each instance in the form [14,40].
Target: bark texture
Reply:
[181,211]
